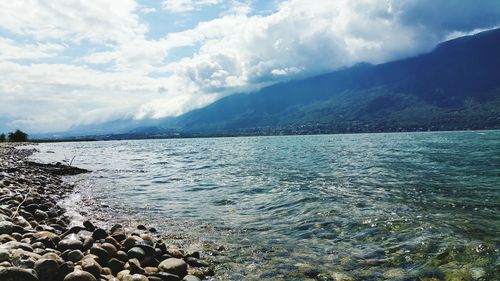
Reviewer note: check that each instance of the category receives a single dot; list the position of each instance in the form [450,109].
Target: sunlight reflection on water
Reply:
[367,206]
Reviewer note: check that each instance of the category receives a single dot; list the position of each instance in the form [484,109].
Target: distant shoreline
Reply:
[201,136]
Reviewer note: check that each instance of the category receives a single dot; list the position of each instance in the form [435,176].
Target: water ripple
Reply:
[370,206]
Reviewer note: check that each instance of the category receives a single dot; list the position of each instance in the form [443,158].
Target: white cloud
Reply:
[147,10]
[73,20]
[308,37]
[182,6]
[12,50]
[48,97]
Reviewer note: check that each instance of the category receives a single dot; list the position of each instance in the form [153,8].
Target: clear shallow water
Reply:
[367,207]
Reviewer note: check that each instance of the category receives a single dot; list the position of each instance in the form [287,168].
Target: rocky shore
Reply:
[37,241]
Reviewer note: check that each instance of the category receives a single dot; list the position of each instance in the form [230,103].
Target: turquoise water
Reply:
[406,206]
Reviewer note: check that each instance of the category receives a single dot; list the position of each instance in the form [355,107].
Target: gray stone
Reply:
[190,278]
[174,266]
[135,277]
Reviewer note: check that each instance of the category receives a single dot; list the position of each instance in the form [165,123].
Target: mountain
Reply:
[455,86]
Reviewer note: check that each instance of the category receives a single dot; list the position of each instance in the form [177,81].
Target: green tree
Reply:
[18,136]
[2,137]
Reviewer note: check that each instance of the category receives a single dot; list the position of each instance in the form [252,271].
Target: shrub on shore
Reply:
[18,136]
[2,137]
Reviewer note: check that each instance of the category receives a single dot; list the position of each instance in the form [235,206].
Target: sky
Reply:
[70,63]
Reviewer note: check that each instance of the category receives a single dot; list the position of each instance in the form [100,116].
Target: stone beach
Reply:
[38,241]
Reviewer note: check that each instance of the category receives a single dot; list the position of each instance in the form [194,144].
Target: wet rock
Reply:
[75,255]
[116,265]
[110,249]
[21,221]
[134,266]
[80,276]
[4,255]
[196,262]
[130,242]
[195,255]
[137,253]
[113,242]
[374,262]
[88,242]
[477,273]
[46,269]
[17,274]
[6,227]
[4,238]
[91,266]
[135,277]
[99,234]
[190,278]
[46,235]
[174,266]
[89,226]
[118,232]
[70,243]
[150,270]
[196,272]
[102,254]
[41,215]
[174,252]
[164,276]
[122,274]
[38,245]
[122,256]
[65,269]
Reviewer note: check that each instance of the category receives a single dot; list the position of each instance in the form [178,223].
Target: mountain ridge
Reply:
[457,75]
[455,86]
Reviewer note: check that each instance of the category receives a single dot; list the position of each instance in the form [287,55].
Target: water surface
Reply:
[406,206]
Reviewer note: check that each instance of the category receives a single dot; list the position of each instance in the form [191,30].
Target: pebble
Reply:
[174,266]
[38,244]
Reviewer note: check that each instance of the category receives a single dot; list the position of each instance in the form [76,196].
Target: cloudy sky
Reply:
[67,63]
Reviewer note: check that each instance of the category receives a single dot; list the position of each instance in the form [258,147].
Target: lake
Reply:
[399,206]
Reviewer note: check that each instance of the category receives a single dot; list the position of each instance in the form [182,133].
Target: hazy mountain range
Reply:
[454,87]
